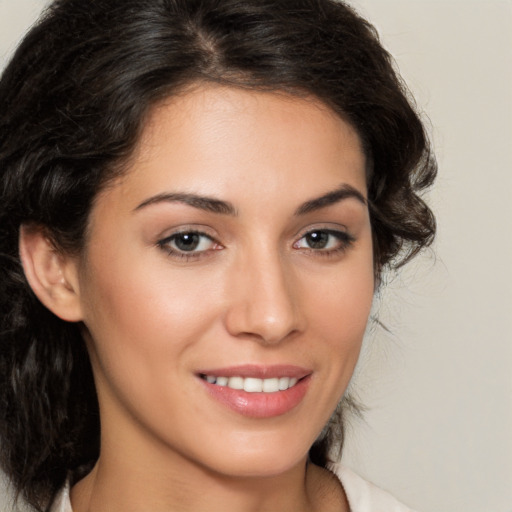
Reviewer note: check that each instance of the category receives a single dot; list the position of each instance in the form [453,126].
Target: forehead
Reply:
[235,143]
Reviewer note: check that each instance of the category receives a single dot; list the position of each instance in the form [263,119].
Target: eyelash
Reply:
[344,239]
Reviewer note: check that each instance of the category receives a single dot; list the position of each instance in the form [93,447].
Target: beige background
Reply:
[438,432]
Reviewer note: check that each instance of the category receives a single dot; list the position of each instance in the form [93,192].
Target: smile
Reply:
[252,384]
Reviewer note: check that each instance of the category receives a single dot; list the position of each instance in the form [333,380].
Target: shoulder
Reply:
[363,496]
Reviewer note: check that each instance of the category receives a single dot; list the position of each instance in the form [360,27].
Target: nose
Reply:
[263,300]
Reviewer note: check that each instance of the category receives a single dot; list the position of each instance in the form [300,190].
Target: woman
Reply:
[198,200]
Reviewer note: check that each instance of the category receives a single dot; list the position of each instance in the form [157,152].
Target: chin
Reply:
[261,458]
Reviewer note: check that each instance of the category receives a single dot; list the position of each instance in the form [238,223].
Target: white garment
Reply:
[362,495]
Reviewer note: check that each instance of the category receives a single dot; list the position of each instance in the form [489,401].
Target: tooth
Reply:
[252,385]
[284,383]
[236,383]
[270,385]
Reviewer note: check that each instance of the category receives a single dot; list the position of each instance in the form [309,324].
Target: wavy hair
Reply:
[73,102]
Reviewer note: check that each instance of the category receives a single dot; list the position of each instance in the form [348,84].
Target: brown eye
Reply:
[190,242]
[324,240]
[187,241]
[317,239]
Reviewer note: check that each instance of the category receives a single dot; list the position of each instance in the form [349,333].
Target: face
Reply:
[227,281]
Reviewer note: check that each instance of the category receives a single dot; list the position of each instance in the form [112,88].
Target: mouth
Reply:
[257,391]
[252,384]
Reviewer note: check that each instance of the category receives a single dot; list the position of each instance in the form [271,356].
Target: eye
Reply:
[324,240]
[187,243]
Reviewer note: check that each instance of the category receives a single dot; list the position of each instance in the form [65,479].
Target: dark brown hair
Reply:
[72,105]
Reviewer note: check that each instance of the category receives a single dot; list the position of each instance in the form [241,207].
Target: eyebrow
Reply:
[208,204]
[330,198]
[219,206]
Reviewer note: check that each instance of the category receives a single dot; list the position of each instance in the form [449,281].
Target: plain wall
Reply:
[438,430]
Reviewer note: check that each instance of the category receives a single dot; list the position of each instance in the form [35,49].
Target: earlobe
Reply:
[52,276]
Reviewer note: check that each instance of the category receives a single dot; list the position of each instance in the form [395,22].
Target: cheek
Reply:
[342,304]
[135,295]
[143,324]
[141,316]
[339,314]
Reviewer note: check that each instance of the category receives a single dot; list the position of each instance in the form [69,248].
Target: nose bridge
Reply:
[263,303]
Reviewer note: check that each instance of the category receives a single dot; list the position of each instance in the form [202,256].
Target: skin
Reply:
[253,292]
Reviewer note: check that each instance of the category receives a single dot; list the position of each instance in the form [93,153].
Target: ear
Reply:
[52,275]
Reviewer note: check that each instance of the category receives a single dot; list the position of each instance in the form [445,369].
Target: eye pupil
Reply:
[317,239]
[187,241]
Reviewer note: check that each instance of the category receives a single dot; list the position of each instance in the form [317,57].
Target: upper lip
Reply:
[258,371]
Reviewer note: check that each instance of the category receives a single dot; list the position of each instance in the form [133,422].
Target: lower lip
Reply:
[259,405]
